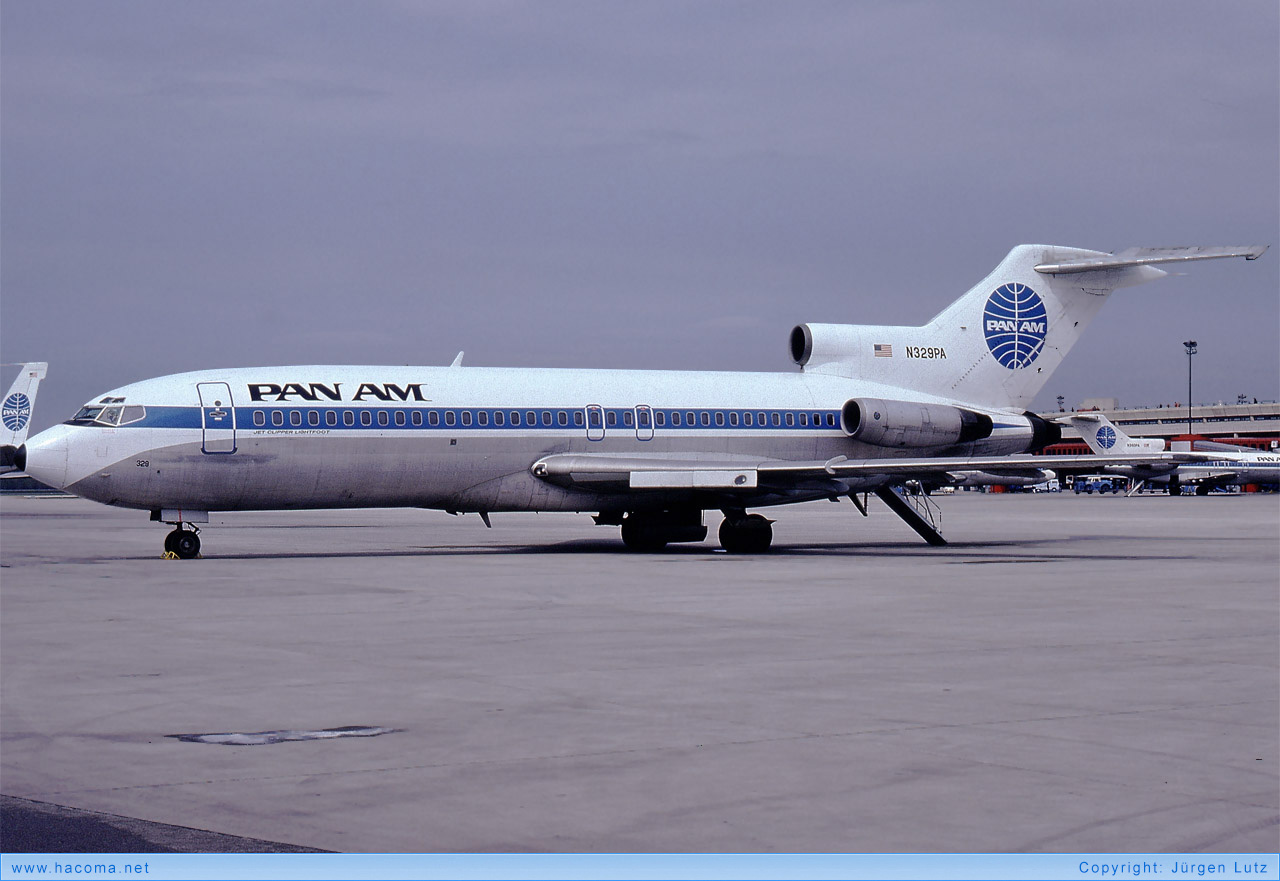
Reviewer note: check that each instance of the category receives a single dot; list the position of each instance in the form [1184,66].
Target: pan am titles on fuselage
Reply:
[871,408]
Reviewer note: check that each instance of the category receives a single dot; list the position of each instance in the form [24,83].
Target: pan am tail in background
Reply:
[15,411]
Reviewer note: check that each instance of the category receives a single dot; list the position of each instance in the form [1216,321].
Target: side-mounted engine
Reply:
[910,424]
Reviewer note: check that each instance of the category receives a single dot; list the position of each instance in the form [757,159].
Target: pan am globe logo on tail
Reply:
[15,411]
[1106,437]
[1015,323]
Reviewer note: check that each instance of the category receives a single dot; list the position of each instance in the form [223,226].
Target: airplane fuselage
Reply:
[455,438]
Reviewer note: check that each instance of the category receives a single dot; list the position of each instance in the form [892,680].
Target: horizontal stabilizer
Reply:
[1149,257]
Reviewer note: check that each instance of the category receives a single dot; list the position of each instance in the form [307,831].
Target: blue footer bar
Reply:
[535,867]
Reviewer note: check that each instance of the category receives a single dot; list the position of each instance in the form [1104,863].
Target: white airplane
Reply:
[15,411]
[1212,464]
[650,451]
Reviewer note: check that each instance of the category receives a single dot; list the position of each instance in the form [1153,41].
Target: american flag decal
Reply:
[883,350]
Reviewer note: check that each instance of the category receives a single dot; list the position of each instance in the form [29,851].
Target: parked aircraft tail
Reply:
[1105,438]
[15,411]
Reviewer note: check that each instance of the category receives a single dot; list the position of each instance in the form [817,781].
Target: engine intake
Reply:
[911,424]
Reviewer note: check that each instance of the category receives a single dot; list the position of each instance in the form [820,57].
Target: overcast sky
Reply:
[187,185]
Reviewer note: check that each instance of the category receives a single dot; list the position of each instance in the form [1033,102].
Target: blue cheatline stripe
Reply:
[613,419]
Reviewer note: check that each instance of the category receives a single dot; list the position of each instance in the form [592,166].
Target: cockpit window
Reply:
[111,416]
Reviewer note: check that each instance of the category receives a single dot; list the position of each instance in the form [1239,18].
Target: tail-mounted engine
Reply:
[909,424]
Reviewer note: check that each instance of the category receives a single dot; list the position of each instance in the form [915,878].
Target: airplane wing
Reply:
[604,472]
[1149,257]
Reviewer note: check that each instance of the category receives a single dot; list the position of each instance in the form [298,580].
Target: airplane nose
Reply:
[44,457]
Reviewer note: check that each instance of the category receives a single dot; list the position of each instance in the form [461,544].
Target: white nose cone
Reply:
[47,457]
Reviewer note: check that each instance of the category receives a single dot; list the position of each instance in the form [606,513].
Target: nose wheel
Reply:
[183,543]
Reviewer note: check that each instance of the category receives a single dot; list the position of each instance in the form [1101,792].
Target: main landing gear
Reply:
[742,533]
[183,543]
[650,531]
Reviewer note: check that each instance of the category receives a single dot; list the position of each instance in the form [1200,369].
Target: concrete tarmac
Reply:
[1071,673]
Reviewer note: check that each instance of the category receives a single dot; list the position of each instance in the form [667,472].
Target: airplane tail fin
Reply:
[1105,438]
[1013,329]
[15,411]
[998,344]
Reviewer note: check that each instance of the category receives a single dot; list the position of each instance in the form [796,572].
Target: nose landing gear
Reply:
[184,544]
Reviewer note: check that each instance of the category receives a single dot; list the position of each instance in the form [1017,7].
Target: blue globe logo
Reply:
[15,411]
[1015,323]
[1106,437]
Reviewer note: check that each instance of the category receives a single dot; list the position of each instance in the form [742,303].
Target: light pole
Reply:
[1191,350]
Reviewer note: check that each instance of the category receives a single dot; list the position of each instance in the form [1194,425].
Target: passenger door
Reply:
[217,417]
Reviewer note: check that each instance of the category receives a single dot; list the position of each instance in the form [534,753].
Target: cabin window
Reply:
[416,418]
[577,418]
[277,417]
[259,418]
[499,418]
[348,418]
[466,417]
[562,417]
[628,416]
[331,417]
[720,418]
[747,420]
[761,420]
[804,419]
[660,418]
[733,418]
[611,419]
[449,417]
[546,418]
[689,420]
[706,418]
[383,419]
[366,418]
[675,418]
[313,417]
[433,418]
[831,420]
[483,417]
[775,419]
[399,417]
[515,417]
[791,420]
[295,417]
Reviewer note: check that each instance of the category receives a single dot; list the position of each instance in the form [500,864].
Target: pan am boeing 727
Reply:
[650,451]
